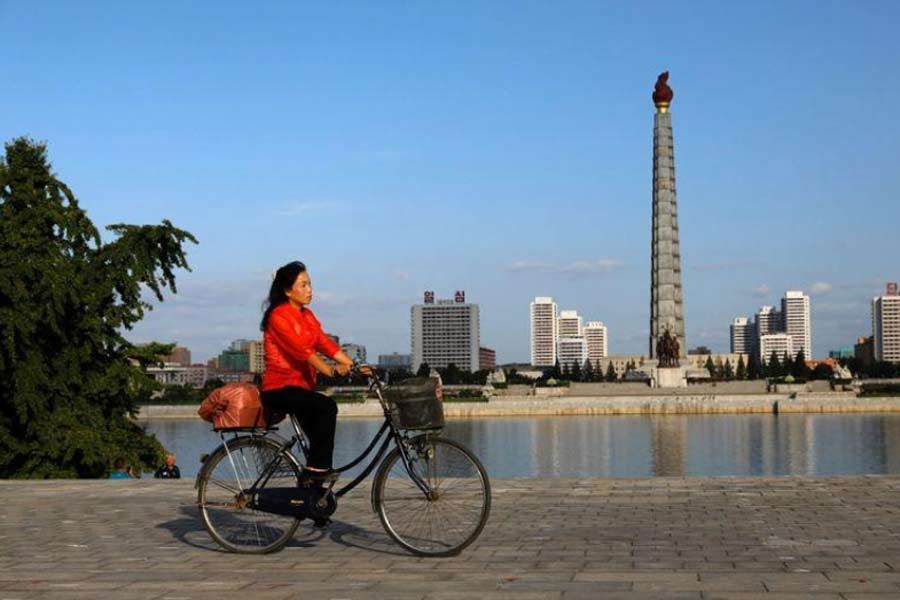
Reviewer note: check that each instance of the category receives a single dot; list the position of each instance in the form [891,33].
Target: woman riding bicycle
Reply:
[432,494]
[293,340]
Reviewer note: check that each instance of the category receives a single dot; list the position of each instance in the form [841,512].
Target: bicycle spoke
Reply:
[225,486]
[226,512]
[448,518]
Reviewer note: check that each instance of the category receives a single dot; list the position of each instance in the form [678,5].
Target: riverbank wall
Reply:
[676,404]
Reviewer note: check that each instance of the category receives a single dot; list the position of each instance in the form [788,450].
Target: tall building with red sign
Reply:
[445,332]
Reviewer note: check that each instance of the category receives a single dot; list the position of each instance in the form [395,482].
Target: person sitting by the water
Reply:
[122,470]
[169,470]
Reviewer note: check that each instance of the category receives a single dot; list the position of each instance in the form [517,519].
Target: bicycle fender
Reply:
[221,448]
[383,466]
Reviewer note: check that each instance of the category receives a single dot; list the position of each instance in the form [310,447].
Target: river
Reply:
[629,446]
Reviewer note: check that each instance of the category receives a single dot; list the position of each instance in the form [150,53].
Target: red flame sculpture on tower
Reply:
[662,93]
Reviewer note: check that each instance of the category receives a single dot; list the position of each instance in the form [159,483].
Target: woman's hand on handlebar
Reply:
[341,370]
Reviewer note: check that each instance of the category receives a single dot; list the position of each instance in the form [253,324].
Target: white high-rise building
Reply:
[571,351]
[742,336]
[795,315]
[445,332]
[544,331]
[596,337]
[767,321]
[780,343]
[257,353]
[570,324]
[886,328]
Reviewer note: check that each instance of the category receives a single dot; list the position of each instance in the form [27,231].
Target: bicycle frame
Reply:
[400,440]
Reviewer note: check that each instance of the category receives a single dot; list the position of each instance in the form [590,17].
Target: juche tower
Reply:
[666,299]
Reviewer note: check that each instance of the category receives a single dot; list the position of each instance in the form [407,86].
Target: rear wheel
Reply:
[453,509]
[224,507]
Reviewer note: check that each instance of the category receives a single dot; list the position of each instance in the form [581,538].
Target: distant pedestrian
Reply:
[169,470]
[122,470]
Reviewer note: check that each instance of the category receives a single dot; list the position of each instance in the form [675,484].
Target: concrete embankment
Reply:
[514,406]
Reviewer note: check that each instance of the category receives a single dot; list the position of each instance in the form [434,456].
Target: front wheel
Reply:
[452,510]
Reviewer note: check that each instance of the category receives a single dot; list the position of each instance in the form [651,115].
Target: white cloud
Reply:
[585,267]
[820,288]
[762,290]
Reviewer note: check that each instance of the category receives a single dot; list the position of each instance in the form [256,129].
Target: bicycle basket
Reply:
[416,403]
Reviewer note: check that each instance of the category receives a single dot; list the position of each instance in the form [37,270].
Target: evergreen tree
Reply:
[588,372]
[555,372]
[741,372]
[799,368]
[710,367]
[773,368]
[424,370]
[575,373]
[611,373]
[728,371]
[69,380]
[787,365]
[451,375]
[753,370]
[564,375]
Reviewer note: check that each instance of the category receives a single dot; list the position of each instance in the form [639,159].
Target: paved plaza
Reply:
[742,538]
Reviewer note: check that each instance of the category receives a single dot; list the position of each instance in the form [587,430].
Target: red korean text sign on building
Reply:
[893,289]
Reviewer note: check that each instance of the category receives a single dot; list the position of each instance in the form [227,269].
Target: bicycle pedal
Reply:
[321,522]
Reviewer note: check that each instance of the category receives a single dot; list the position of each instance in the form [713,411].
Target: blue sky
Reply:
[503,148]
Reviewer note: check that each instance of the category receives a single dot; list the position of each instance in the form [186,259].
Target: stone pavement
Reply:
[741,538]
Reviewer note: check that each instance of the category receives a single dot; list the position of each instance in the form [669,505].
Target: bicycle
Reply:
[432,495]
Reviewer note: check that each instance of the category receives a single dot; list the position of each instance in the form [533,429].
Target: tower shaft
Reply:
[666,299]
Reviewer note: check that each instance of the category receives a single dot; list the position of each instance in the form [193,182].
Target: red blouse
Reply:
[290,338]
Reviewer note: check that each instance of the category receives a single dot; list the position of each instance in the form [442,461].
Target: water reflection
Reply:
[667,439]
[630,446]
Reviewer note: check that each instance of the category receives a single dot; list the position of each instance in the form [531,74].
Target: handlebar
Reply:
[372,374]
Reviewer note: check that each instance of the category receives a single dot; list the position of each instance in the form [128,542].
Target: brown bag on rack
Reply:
[234,406]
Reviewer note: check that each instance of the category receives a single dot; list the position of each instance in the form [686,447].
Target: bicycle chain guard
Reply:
[299,502]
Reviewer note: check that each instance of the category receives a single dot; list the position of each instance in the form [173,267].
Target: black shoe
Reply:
[321,477]
[321,522]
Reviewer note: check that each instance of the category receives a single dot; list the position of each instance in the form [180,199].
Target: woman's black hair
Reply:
[283,281]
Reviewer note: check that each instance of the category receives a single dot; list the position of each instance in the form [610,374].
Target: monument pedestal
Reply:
[670,377]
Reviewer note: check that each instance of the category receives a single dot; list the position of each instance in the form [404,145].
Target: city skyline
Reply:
[529,148]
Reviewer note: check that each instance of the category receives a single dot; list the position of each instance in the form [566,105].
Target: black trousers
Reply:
[317,414]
